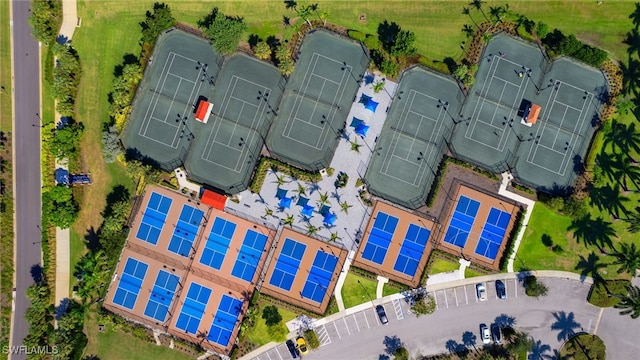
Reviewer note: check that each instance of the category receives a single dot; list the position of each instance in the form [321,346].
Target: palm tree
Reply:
[486,37]
[344,206]
[355,146]
[312,230]
[323,16]
[630,304]
[334,237]
[302,190]
[468,30]
[607,164]
[267,212]
[280,180]
[324,199]
[290,4]
[289,220]
[497,12]
[286,21]
[591,266]
[566,324]
[478,5]
[634,221]
[465,11]
[590,231]
[627,258]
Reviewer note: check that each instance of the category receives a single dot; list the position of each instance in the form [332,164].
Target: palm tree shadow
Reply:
[609,198]
[504,320]
[540,351]
[592,232]
[566,325]
[391,344]
[590,267]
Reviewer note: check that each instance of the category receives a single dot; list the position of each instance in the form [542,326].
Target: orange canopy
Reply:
[213,199]
[203,111]
[534,113]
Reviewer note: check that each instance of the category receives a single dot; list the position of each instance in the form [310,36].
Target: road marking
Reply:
[337,332]
[515,282]
[278,352]
[455,294]
[595,329]
[267,353]
[446,302]
[345,325]
[356,321]
[397,307]
[323,334]
[465,295]
[364,313]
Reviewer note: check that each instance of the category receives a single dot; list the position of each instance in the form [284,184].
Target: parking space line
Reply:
[397,307]
[515,281]
[278,352]
[356,321]
[267,353]
[435,299]
[337,332]
[345,325]
[455,294]
[323,335]
[446,302]
[475,292]
[466,298]
[364,313]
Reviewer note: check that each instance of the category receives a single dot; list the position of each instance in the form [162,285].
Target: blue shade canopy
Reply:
[371,105]
[280,193]
[307,210]
[364,99]
[302,201]
[324,210]
[330,218]
[62,176]
[362,129]
[356,122]
[285,202]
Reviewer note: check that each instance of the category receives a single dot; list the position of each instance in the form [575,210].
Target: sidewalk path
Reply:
[63,258]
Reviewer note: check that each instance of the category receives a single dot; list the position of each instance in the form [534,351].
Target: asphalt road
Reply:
[26,139]
[565,308]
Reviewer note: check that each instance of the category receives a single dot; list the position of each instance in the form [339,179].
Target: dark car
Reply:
[501,289]
[496,334]
[382,314]
[292,348]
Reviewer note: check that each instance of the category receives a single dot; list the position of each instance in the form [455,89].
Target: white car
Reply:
[481,292]
[485,334]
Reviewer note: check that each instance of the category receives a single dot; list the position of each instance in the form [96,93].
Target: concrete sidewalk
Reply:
[63,258]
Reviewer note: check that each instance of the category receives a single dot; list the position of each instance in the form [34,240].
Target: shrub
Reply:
[424,305]
[583,347]
[598,295]
[371,42]
[271,315]
[312,339]
[560,44]
[534,288]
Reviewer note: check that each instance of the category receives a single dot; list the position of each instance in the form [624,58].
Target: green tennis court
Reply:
[413,140]
[161,126]
[491,132]
[247,94]
[317,100]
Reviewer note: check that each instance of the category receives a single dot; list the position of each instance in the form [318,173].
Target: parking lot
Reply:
[344,327]
[466,295]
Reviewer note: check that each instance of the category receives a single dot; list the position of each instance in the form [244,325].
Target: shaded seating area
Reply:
[307,211]
[364,99]
[324,210]
[355,122]
[285,202]
[329,218]
[362,129]
[281,193]
[371,105]
[302,201]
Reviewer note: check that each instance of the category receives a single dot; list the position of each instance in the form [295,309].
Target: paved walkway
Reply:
[63,258]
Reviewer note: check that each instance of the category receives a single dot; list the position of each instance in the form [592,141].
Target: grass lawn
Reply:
[468,273]
[442,265]
[260,334]
[5,68]
[118,345]
[354,294]
[388,290]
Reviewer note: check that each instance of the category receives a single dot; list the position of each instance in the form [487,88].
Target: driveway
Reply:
[458,311]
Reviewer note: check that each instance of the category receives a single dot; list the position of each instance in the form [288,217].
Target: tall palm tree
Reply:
[566,324]
[635,16]
[468,30]
[324,198]
[497,12]
[288,220]
[280,180]
[290,4]
[627,258]
[633,220]
[302,190]
[334,237]
[323,16]
[286,21]
[478,5]
[344,206]
[465,11]
[312,230]
[630,304]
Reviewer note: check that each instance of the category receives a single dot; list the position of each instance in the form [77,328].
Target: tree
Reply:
[468,30]
[69,337]
[312,230]
[271,315]
[111,144]
[344,206]
[45,20]
[478,5]
[630,304]
[66,142]
[498,12]
[627,258]
[609,198]
[59,206]
[634,221]
[565,324]
[38,315]
[534,288]
[324,198]
[262,50]
[355,146]
[289,220]
[155,23]
[224,31]
[401,353]
[323,16]
[378,86]
[403,44]
[93,272]
[334,237]
[542,30]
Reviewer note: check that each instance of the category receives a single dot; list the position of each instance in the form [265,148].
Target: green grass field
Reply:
[353,292]
[260,334]
[442,265]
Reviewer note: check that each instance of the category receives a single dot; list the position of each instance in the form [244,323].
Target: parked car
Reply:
[302,345]
[485,334]
[292,349]
[496,334]
[382,314]
[501,290]
[481,292]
